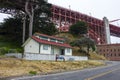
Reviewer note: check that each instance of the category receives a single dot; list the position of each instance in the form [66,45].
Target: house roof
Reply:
[49,36]
[51,43]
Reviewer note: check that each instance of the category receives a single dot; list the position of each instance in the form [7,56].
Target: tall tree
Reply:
[48,29]
[34,9]
[12,28]
[79,28]
[84,42]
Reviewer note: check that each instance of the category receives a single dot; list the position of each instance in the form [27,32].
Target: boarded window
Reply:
[45,47]
[68,50]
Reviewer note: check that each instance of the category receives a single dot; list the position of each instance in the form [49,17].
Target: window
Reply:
[111,50]
[118,54]
[107,50]
[59,41]
[45,47]
[111,55]
[68,50]
[53,40]
[104,54]
[118,50]
[43,38]
[114,49]
[103,50]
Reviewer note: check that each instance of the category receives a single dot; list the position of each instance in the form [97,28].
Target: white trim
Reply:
[26,41]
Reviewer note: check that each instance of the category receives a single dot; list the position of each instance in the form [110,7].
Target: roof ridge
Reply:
[50,36]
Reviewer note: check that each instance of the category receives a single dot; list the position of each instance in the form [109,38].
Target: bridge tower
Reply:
[107,30]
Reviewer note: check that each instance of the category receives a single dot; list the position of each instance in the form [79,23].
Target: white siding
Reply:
[56,50]
[68,53]
[31,47]
[42,51]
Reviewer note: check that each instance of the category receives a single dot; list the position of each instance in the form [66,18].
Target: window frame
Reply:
[45,47]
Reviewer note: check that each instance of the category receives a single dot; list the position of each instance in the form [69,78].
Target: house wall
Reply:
[43,51]
[33,56]
[68,51]
[34,47]
[31,47]
[56,50]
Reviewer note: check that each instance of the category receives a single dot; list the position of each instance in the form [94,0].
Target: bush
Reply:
[20,50]
[3,50]
[33,72]
[78,28]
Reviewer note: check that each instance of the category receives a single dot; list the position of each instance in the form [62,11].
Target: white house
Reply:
[44,47]
[44,44]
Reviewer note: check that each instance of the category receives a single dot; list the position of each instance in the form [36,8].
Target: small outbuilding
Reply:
[44,47]
[44,44]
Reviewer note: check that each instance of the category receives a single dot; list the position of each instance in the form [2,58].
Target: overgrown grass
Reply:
[95,56]
[16,67]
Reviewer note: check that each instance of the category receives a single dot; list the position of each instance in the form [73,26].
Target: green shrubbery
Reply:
[3,50]
[33,72]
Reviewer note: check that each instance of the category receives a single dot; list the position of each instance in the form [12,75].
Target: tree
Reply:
[34,9]
[12,28]
[84,42]
[79,28]
[48,29]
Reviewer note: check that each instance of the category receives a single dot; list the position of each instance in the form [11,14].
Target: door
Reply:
[62,52]
[52,50]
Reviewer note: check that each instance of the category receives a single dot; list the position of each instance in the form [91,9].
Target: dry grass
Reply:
[95,56]
[16,67]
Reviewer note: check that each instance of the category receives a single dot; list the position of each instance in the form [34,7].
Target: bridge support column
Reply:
[107,30]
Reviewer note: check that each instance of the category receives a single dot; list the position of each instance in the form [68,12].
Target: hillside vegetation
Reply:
[76,52]
[6,44]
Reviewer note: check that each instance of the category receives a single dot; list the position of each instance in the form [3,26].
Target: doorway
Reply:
[62,52]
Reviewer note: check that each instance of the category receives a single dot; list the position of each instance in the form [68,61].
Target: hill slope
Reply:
[69,38]
[17,67]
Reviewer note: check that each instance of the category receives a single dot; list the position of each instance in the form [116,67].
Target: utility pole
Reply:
[24,25]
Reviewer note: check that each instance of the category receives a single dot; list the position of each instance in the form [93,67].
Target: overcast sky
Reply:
[95,8]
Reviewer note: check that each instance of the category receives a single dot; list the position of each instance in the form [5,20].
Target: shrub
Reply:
[78,28]
[3,50]
[33,72]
